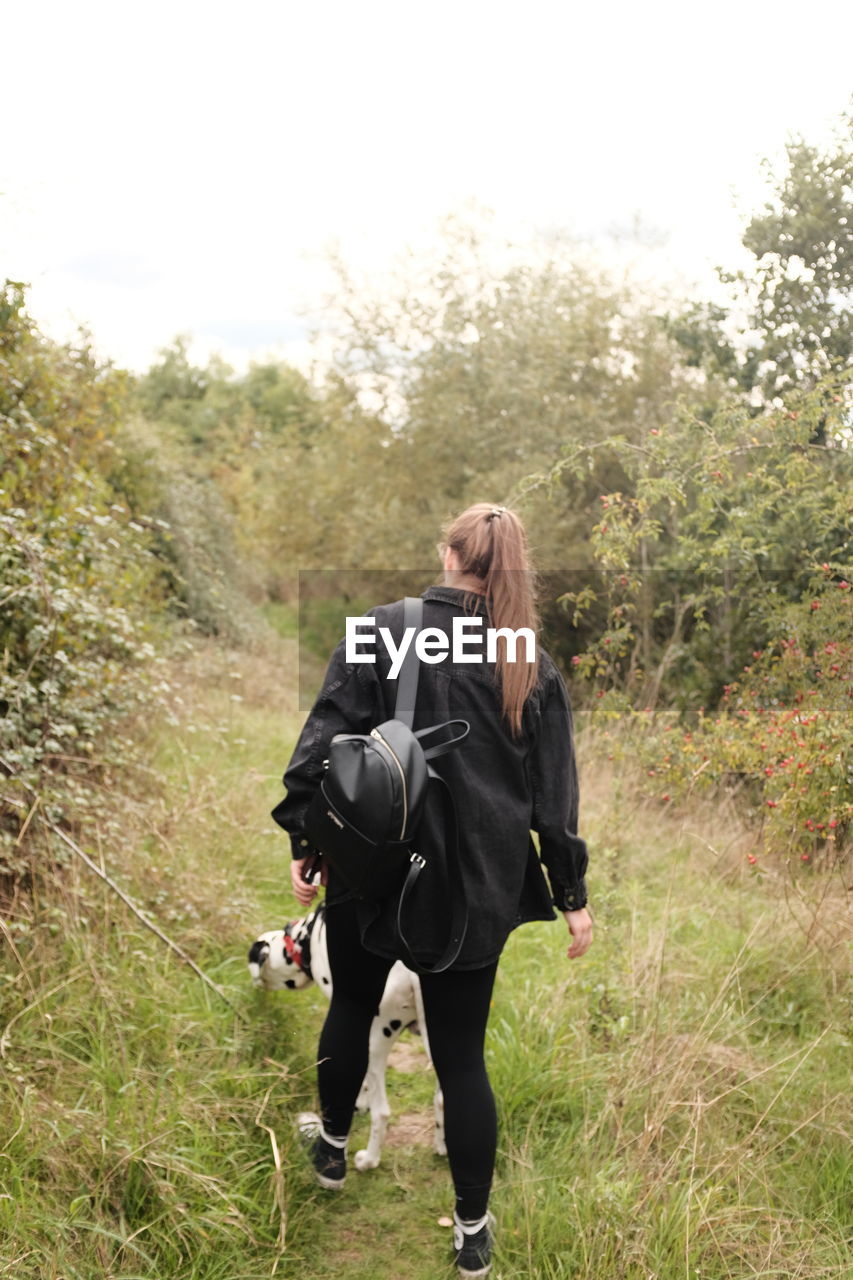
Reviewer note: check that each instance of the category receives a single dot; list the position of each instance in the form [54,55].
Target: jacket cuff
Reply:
[570,897]
[301,847]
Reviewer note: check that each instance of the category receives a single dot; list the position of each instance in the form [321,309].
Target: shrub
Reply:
[79,600]
[781,736]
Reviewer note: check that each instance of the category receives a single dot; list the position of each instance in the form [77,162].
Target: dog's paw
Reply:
[364,1161]
[308,1125]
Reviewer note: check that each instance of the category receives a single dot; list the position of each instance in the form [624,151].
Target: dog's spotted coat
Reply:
[296,956]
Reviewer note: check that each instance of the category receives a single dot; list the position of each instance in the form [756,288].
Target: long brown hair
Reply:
[491,545]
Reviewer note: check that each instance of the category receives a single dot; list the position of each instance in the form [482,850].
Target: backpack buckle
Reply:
[416,857]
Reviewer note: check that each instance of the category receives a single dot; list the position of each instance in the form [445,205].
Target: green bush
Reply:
[781,737]
[79,597]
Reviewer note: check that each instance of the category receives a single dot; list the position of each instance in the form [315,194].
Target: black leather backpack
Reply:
[364,816]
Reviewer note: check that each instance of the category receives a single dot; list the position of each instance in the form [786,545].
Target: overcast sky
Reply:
[182,167]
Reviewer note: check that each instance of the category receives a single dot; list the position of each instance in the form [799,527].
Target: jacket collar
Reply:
[456,596]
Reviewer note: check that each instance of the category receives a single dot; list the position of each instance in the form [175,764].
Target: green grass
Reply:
[673,1105]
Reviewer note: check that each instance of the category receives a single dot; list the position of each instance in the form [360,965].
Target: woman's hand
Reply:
[580,927]
[304,892]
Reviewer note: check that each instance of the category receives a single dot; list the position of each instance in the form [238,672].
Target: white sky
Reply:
[182,166]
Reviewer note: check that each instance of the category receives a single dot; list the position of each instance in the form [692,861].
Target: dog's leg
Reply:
[362,1102]
[439,1145]
[438,1141]
[395,1013]
[376,1096]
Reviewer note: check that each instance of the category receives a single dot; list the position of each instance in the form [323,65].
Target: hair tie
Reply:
[495,512]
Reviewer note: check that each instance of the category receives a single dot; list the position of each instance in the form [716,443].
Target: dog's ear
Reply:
[258,955]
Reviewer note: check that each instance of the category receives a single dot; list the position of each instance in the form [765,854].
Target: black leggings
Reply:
[456,1004]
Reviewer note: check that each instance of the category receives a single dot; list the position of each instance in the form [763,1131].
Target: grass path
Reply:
[673,1105]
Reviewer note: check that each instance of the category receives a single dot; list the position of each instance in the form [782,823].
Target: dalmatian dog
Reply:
[296,956]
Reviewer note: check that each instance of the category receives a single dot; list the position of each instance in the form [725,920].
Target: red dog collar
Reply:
[293,950]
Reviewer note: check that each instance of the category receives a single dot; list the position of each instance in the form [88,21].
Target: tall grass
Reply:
[673,1105]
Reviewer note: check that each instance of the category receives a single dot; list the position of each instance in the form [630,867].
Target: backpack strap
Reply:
[441,748]
[456,888]
[404,710]
[407,680]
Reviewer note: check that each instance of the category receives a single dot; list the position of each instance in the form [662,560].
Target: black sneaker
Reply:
[473,1247]
[329,1162]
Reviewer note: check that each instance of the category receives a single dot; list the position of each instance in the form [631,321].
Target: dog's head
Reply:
[282,957]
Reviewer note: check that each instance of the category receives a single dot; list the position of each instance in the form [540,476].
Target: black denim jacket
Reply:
[503,787]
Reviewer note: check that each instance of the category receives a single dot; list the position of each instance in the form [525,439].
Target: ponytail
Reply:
[491,545]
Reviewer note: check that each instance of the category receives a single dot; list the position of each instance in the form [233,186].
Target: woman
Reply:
[514,772]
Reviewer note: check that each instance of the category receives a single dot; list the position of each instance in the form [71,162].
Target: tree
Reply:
[796,297]
[485,375]
[739,518]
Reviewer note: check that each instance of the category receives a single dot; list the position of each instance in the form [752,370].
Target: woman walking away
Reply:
[515,771]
